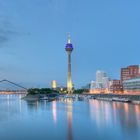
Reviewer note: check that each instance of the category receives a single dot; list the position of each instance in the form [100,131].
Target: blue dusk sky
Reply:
[33,34]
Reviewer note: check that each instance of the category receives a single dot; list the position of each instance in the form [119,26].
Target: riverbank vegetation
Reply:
[46,91]
[80,91]
[34,91]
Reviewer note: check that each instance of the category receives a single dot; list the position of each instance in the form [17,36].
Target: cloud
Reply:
[7,30]
[3,39]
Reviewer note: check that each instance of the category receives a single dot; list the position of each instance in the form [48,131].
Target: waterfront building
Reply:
[129,72]
[106,82]
[116,86]
[96,87]
[132,86]
[102,83]
[54,84]
[69,49]
[99,76]
[110,84]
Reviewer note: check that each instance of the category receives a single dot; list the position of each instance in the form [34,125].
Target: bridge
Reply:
[22,91]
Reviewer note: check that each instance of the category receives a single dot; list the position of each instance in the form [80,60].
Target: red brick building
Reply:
[116,86]
[129,72]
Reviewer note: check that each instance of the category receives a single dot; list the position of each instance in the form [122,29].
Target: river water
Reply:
[67,120]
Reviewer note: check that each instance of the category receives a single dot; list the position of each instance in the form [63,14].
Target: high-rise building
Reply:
[54,84]
[129,72]
[99,76]
[69,49]
[116,86]
[102,83]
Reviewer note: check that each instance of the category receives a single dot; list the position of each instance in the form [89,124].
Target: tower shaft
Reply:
[69,49]
[69,79]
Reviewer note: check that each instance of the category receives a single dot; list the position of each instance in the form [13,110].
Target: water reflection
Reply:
[54,111]
[125,116]
[32,105]
[69,116]
[7,111]
[35,105]
[68,120]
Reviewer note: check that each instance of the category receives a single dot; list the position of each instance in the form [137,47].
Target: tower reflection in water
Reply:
[68,103]
[69,116]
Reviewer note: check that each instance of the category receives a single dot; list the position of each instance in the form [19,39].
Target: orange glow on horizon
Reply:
[98,91]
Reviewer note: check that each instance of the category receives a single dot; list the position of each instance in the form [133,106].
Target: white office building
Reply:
[100,75]
[102,83]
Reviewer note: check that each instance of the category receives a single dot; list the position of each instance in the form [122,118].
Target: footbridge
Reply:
[23,90]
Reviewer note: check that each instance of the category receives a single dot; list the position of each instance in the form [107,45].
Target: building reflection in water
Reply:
[8,103]
[54,111]
[137,110]
[109,113]
[20,106]
[100,113]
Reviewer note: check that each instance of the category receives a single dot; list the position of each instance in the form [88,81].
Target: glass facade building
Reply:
[132,85]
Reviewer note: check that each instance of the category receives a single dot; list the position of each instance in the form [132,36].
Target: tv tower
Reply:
[69,49]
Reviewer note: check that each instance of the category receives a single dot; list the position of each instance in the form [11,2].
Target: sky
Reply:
[33,33]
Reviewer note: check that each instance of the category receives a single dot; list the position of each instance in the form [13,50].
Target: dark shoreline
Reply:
[131,97]
[109,97]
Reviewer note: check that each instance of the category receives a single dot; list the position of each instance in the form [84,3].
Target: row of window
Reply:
[131,85]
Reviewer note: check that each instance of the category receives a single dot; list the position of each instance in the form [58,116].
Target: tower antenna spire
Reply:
[68,38]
